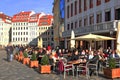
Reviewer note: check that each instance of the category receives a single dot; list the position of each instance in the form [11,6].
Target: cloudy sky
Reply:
[11,7]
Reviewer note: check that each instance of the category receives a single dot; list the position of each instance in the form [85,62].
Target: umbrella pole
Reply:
[90,45]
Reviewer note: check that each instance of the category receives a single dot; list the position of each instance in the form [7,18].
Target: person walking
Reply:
[9,50]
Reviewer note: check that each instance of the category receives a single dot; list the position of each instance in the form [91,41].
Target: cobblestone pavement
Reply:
[17,71]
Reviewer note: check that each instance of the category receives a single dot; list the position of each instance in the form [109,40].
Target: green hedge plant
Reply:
[25,54]
[33,58]
[45,60]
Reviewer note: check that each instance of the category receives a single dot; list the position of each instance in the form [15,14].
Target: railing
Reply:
[101,27]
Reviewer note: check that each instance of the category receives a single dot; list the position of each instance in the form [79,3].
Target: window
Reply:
[67,0]
[107,16]
[91,4]
[91,20]
[98,2]
[68,11]
[117,14]
[75,7]
[85,21]
[85,5]
[80,6]
[99,18]
[107,1]
[75,24]
[24,33]
[68,26]
[71,9]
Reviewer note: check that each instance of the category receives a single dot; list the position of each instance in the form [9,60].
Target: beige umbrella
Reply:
[72,42]
[40,43]
[118,39]
[92,37]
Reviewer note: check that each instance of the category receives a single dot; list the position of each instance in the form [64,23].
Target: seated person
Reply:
[75,55]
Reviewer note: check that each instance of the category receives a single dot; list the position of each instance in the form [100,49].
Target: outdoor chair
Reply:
[94,67]
[83,68]
[64,67]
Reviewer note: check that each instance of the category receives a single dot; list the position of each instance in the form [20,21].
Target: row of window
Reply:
[20,39]
[78,4]
[20,28]
[18,24]
[47,39]
[46,33]
[98,17]
[42,28]
[20,33]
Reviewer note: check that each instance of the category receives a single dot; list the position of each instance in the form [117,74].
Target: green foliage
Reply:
[33,58]
[45,60]
[25,54]
[112,63]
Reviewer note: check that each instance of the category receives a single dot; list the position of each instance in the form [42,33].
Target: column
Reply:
[103,16]
[65,44]
[112,13]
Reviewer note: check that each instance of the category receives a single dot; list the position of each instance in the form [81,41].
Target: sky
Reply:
[11,7]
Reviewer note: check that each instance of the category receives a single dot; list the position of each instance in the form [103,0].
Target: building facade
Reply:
[91,16]
[5,25]
[28,26]
[46,32]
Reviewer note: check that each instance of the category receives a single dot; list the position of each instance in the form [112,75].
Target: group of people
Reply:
[70,55]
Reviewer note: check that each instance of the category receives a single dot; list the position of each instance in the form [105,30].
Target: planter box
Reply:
[26,60]
[112,73]
[45,68]
[34,64]
[20,58]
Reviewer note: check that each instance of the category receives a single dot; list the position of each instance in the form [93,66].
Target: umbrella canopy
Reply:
[72,42]
[92,37]
[118,40]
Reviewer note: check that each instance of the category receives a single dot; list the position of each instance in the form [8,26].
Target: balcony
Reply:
[98,28]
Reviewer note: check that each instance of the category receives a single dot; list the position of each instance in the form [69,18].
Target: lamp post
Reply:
[112,41]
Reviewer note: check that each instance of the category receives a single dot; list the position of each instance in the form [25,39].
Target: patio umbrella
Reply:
[40,43]
[72,42]
[92,37]
[118,40]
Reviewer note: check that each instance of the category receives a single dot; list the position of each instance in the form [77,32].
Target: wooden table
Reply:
[77,62]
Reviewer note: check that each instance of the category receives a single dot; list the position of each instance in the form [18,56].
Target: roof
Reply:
[5,18]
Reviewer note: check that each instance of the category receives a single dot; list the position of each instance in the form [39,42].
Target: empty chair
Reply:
[93,67]
[83,68]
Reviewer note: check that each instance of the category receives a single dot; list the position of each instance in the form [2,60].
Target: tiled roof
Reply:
[22,16]
[5,18]
[45,20]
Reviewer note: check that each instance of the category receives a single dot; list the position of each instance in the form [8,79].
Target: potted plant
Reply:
[112,71]
[26,60]
[45,67]
[33,61]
